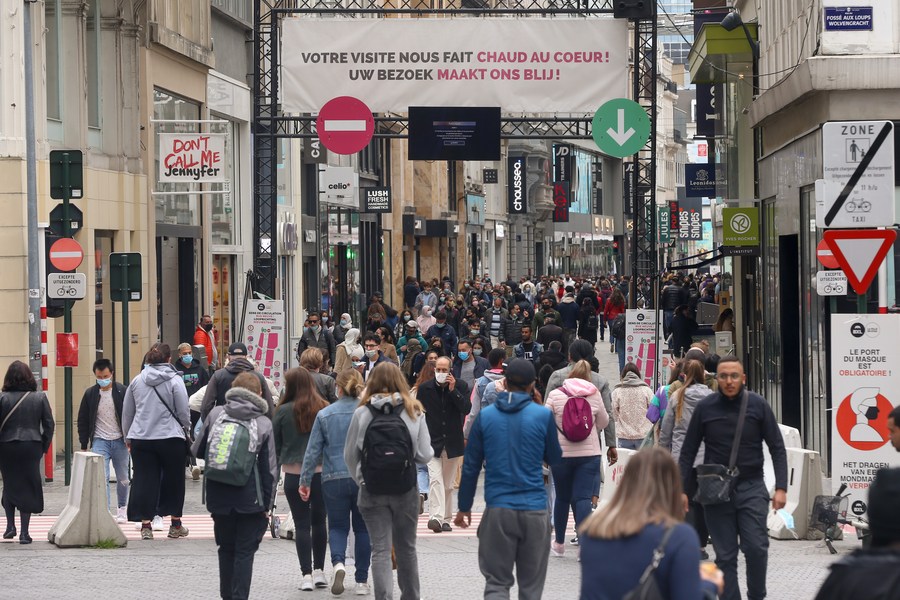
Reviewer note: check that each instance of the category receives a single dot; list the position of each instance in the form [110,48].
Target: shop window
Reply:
[181,116]
[224,230]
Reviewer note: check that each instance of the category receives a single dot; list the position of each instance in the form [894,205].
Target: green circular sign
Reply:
[621,127]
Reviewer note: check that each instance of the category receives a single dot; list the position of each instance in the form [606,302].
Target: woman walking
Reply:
[156,419]
[348,351]
[26,429]
[574,476]
[630,403]
[293,423]
[326,448]
[389,500]
[588,322]
[645,515]
[615,306]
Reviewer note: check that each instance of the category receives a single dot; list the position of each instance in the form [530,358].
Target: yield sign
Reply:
[860,252]
[66,254]
[345,125]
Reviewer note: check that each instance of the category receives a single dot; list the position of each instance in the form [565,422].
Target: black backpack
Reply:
[388,461]
[617,328]
[593,322]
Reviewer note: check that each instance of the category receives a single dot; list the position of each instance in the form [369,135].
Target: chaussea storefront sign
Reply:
[515,174]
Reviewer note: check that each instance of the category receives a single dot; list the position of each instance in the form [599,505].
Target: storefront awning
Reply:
[715,48]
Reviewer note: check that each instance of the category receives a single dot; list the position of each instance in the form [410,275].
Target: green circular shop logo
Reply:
[740,223]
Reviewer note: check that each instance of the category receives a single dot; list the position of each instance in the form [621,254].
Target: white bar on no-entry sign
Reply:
[345,125]
[58,254]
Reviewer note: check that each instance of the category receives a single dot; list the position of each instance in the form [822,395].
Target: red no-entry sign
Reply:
[66,254]
[825,256]
[345,125]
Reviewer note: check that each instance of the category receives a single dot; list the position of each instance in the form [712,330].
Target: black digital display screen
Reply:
[454,133]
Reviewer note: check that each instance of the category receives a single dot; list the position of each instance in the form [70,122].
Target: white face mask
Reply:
[441,377]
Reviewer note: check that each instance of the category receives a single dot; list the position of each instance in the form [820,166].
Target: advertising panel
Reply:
[191,157]
[641,345]
[265,337]
[515,175]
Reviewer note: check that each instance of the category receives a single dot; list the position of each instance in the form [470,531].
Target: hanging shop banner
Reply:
[561,190]
[641,344]
[865,387]
[700,180]
[690,219]
[191,157]
[264,336]
[740,226]
[376,200]
[663,223]
[522,65]
[515,175]
[674,215]
[562,162]
[338,185]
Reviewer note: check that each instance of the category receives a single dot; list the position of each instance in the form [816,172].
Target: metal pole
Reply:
[126,370]
[67,325]
[34,269]
[862,303]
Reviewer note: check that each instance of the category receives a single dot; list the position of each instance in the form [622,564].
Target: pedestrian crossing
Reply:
[201,528]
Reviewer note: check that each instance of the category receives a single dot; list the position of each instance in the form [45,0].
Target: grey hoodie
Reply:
[143,415]
[671,434]
[418,432]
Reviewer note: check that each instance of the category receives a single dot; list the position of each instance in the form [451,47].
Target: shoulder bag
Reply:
[647,588]
[185,431]
[16,406]
[715,483]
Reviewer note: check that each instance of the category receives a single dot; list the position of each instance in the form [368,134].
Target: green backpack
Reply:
[231,452]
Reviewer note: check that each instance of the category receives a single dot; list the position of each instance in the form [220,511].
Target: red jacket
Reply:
[611,311]
[202,338]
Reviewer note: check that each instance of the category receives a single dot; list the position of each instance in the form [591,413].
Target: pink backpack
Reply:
[577,418]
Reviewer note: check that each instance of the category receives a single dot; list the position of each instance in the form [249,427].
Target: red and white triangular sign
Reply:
[860,252]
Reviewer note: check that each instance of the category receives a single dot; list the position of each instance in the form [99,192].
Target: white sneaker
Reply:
[362,589]
[306,584]
[319,579]
[122,514]
[337,579]
[157,524]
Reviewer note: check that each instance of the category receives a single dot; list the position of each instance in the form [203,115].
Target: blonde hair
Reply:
[350,382]
[311,359]
[581,370]
[649,492]
[184,346]
[248,381]
[387,379]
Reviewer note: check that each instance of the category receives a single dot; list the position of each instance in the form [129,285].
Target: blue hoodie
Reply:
[512,438]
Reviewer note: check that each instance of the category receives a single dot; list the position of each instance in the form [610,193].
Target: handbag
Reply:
[715,483]
[185,431]
[647,588]
[10,413]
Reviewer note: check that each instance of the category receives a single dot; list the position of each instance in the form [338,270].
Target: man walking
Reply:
[743,517]
[515,527]
[206,337]
[221,381]
[100,426]
[316,337]
[446,402]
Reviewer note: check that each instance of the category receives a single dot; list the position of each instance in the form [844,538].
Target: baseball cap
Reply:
[237,349]
[520,372]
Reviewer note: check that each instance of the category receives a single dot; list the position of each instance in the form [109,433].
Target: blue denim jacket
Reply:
[326,441]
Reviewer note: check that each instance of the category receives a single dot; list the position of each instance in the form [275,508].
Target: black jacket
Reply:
[444,414]
[481,365]
[195,376]
[325,342]
[873,574]
[511,331]
[87,412]
[714,423]
[32,421]
[673,296]
[550,333]
[221,381]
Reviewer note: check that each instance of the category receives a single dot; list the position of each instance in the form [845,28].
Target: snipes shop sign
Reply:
[515,173]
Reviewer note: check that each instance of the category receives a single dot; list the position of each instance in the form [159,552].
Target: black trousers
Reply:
[157,486]
[238,537]
[310,533]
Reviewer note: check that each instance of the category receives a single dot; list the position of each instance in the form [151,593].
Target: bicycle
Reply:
[829,513]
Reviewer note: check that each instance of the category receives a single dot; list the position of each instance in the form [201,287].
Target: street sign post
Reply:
[76,218]
[66,254]
[621,127]
[124,285]
[345,125]
[858,169]
[831,283]
[66,286]
[66,174]
[860,252]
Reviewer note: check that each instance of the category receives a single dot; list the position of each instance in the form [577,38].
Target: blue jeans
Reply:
[620,349]
[340,503]
[422,478]
[115,451]
[630,444]
[574,481]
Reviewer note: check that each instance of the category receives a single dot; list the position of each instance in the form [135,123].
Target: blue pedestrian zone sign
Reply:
[848,18]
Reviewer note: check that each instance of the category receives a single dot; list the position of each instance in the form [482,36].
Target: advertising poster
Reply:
[264,336]
[865,387]
[523,65]
[641,345]
[191,157]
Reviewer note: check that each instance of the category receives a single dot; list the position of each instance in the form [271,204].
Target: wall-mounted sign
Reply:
[740,226]
[848,18]
[489,176]
[376,200]
[191,157]
[561,202]
[674,216]
[690,219]
[663,223]
[338,186]
[562,162]
[515,176]
[700,180]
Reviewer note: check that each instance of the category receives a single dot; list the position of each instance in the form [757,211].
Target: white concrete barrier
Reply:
[612,474]
[792,439]
[804,484]
[86,520]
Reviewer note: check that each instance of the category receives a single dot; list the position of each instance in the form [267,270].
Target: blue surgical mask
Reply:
[187,359]
[463,356]
[104,382]
[439,325]
[406,317]
[477,351]
[344,322]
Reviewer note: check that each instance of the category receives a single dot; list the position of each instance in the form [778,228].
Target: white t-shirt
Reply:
[108,427]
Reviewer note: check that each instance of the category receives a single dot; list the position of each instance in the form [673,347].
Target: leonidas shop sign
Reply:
[740,229]
[191,157]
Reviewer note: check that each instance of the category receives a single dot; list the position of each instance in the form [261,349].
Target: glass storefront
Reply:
[339,247]
[223,294]
[184,208]
[225,227]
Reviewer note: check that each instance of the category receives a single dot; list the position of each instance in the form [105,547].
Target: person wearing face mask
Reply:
[511,330]
[403,319]
[346,349]
[314,336]
[100,429]
[546,311]
[206,337]
[411,332]
[446,402]
[426,298]
[425,319]
[374,356]
[467,367]
[443,330]
[341,328]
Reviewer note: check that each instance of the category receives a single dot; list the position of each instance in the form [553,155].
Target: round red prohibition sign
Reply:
[825,256]
[345,125]
[66,254]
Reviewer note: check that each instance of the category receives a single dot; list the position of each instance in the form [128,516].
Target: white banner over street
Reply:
[520,65]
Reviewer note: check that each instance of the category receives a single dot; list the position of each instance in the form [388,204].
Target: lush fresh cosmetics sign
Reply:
[515,173]
[191,157]
[376,200]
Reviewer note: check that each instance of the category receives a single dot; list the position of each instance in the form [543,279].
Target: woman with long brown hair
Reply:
[293,423]
[644,515]
[389,502]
